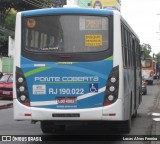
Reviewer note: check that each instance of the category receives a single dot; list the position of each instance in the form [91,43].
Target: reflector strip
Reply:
[65,56]
[27,114]
[112,114]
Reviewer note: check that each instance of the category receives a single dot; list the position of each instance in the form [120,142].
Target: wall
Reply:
[7,65]
[84,3]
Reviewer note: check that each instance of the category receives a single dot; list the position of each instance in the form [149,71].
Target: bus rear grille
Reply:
[66,115]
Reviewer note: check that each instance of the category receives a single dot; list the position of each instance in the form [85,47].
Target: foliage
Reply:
[7,17]
[3,44]
[7,5]
[157,57]
[147,49]
[20,5]
[3,37]
[10,20]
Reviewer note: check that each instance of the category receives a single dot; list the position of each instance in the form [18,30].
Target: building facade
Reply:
[84,3]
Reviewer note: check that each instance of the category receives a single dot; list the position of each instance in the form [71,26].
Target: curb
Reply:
[156,124]
[5,102]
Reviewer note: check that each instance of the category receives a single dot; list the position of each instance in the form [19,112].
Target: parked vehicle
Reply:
[6,86]
[148,68]
[144,87]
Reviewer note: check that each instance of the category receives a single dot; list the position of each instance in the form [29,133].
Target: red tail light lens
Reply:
[151,74]
[21,88]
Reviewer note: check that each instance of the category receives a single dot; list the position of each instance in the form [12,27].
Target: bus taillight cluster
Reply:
[21,88]
[112,87]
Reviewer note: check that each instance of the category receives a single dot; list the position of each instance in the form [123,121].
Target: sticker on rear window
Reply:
[93,40]
[39,89]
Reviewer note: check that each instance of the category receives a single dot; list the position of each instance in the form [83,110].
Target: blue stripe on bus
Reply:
[50,11]
[74,67]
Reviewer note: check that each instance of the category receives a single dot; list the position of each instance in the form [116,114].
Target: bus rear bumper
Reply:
[22,112]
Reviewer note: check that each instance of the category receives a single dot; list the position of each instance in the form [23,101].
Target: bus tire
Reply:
[127,124]
[135,114]
[150,82]
[59,128]
[47,127]
[145,93]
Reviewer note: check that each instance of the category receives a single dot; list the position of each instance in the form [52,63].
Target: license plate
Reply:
[6,92]
[67,100]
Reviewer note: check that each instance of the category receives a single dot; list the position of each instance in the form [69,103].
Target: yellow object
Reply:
[93,40]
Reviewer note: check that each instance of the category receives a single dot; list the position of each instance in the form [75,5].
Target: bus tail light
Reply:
[151,74]
[21,88]
[27,115]
[112,87]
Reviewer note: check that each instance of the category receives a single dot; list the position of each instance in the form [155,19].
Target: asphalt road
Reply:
[146,123]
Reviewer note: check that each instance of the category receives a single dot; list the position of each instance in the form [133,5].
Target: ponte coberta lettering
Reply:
[67,79]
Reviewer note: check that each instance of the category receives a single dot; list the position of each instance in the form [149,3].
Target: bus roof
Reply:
[126,23]
[49,11]
[90,11]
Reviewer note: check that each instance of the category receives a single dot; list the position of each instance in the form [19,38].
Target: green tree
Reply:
[20,5]
[7,5]
[7,17]
[147,49]
[10,20]
[3,44]
[157,57]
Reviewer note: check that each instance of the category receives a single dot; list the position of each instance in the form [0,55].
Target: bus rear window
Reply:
[66,34]
[146,63]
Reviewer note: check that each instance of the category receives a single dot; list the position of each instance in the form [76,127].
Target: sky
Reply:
[142,16]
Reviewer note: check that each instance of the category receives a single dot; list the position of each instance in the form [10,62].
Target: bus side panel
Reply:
[119,107]
[17,49]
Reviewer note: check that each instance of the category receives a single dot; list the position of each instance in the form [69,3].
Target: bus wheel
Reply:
[127,126]
[135,114]
[150,82]
[47,127]
[59,128]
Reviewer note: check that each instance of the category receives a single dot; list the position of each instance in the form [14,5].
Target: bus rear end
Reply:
[148,70]
[65,70]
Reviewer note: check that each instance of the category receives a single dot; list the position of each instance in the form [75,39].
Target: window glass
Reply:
[146,63]
[10,79]
[4,78]
[66,34]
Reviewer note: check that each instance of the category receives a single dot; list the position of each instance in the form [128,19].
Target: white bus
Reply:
[148,70]
[75,65]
